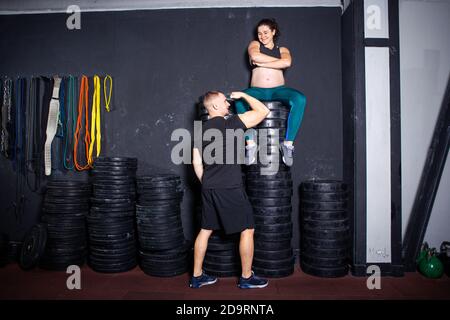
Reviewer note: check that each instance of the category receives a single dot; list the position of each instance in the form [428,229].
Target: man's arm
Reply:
[283,63]
[256,56]
[197,163]
[256,115]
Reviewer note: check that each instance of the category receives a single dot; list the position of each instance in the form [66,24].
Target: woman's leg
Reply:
[297,102]
[242,106]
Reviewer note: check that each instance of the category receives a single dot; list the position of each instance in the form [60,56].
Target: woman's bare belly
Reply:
[267,78]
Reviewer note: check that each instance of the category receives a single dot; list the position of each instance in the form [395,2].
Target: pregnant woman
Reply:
[268,62]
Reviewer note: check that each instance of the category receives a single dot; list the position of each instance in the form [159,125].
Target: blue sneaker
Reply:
[202,280]
[253,282]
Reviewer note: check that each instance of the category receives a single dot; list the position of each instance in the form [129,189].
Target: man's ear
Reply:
[214,106]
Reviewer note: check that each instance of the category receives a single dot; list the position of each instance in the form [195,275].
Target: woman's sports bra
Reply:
[274,52]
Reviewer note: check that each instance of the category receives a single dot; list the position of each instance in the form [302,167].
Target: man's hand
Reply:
[237,95]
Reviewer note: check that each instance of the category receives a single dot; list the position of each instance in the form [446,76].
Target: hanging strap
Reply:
[70,124]
[107,99]
[19,146]
[95,121]
[52,123]
[6,117]
[32,116]
[82,100]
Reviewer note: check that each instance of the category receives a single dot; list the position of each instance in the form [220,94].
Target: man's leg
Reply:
[200,246]
[246,248]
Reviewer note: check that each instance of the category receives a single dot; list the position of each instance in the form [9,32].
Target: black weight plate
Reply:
[275,105]
[324,215]
[270,193]
[272,245]
[67,183]
[271,237]
[116,159]
[268,168]
[324,243]
[159,177]
[211,258]
[270,184]
[273,264]
[175,197]
[65,193]
[274,254]
[324,272]
[327,234]
[270,132]
[325,253]
[278,114]
[221,246]
[324,224]
[115,167]
[270,202]
[33,247]
[272,123]
[112,187]
[275,228]
[272,211]
[69,208]
[323,206]
[224,267]
[270,220]
[161,218]
[324,262]
[323,186]
[113,173]
[274,273]
[323,196]
[222,274]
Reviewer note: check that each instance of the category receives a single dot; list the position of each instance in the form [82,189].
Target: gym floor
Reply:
[135,285]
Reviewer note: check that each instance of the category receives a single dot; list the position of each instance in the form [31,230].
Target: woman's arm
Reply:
[283,63]
[255,54]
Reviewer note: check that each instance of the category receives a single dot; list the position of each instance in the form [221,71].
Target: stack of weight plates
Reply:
[324,228]
[163,249]
[222,257]
[66,205]
[111,221]
[269,188]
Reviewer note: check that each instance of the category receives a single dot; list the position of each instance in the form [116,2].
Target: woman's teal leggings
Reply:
[288,96]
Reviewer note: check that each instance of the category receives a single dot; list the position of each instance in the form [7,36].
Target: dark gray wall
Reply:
[161,62]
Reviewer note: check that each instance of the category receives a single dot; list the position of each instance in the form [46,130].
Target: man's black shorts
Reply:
[227,209]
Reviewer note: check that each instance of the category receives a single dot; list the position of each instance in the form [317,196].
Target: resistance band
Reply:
[95,121]
[107,99]
[82,100]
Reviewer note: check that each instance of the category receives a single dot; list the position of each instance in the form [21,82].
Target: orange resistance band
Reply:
[84,91]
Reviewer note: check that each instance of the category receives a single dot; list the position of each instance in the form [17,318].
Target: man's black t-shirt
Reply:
[221,173]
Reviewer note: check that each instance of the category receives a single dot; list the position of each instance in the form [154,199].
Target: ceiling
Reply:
[58,6]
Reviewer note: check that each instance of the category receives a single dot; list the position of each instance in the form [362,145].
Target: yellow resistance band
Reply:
[95,121]
[107,99]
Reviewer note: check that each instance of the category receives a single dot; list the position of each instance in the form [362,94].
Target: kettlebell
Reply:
[430,266]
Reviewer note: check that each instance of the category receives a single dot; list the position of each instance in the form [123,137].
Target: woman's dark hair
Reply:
[272,24]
